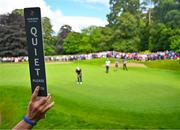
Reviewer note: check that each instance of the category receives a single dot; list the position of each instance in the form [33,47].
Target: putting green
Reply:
[137,98]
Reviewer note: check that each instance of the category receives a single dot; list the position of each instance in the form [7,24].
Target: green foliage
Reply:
[126,35]
[77,43]
[49,45]
[144,36]
[127,26]
[71,43]
[175,43]
[117,7]
[92,39]
[173,18]
[99,38]
[132,26]
[163,38]
[49,40]
[165,10]
[130,30]
[162,25]
[12,35]
[47,27]
[160,37]
[126,45]
[125,23]
[18,12]
[146,52]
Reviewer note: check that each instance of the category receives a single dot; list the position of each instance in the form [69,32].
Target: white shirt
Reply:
[108,63]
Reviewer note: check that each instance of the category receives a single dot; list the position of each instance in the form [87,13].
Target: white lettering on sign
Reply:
[38,80]
[37,71]
[35,43]
[34,31]
[42,88]
[35,51]
[36,62]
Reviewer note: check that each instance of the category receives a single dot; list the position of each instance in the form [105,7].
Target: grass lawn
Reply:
[137,98]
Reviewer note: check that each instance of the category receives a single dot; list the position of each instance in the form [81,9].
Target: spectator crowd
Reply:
[130,56]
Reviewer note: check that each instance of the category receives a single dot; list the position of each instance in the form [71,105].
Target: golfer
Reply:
[116,64]
[79,75]
[108,62]
[125,64]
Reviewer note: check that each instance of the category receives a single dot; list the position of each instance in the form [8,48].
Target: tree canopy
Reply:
[133,26]
[12,35]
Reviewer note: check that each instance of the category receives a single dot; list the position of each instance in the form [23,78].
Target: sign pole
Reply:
[35,49]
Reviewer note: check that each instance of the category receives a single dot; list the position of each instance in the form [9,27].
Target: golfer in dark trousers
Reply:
[125,64]
[107,65]
[79,75]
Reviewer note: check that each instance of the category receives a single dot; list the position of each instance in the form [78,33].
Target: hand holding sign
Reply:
[38,106]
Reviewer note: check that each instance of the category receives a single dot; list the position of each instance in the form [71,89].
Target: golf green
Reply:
[137,98]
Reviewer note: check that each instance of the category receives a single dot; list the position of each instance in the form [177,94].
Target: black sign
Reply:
[35,49]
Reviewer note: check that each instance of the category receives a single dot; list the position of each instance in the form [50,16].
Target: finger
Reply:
[40,104]
[43,100]
[35,93]
[48,98]
[49,106]
[46,103]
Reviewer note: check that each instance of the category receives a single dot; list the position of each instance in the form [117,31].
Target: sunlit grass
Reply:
[137,98]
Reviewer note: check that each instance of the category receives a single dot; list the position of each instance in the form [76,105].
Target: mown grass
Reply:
[97,61]
[164,64]
[138,98]
[160,64]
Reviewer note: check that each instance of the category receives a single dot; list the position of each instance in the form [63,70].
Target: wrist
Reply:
[29,121]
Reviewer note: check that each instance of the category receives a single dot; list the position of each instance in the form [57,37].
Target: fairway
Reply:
[141,97]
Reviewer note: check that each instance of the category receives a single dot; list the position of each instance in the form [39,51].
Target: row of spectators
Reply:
[129,56]
[152,56]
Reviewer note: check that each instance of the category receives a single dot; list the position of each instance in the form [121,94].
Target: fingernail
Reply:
[37,87]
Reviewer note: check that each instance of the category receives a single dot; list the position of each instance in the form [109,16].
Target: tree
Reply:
[47,27]
[149,4]
[106,39]
[99,38]
[172,19]
[175,43]
[12,35]
[76,43]
[126,36]
[117,7]
[124,20]
[18,12]
[162,10]
[126,45]
[49,40]
[166,25]
[63,32]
